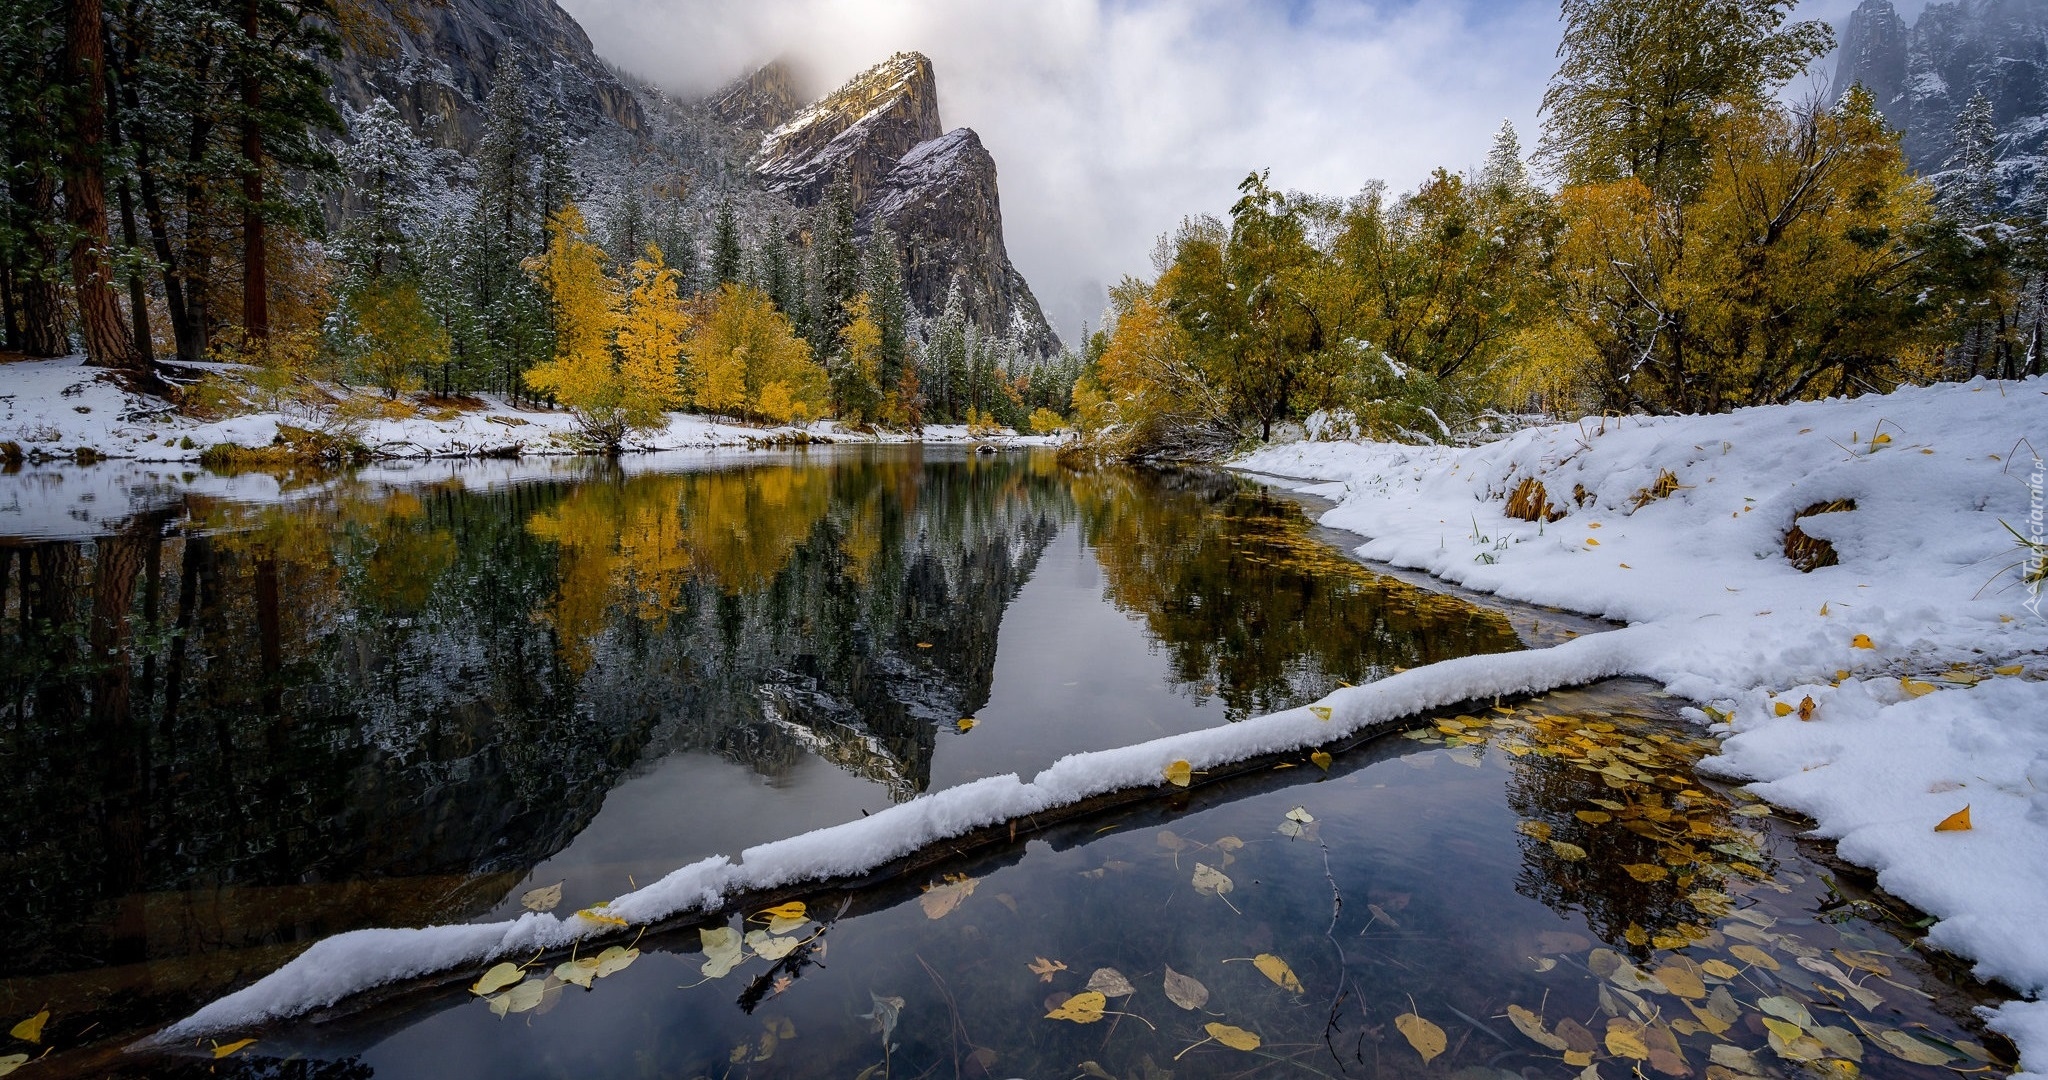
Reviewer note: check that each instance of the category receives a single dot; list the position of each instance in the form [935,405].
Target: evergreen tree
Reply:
[839,261]
[776,276]
[511,317]
[554,182]
[728,257]
[30,229]
[1969,184]
[882,281]
[947,360]
[1504,173]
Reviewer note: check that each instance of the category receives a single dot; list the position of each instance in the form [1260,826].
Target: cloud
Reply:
[1110,120]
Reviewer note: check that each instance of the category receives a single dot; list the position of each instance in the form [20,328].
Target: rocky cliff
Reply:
[1923,73]
[934,190]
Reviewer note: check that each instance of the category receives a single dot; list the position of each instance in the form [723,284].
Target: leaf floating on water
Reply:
[496,979]
[1535,830]
[965,724]
[222,1050]
[520,998]
[12,1062]
[1625,1039]
[1276,969]
[31,1029]
[722,951]
[1236,1038]
[1322,760]
[1044,968]
[1646,871]
[1750,954]
[1956,822]
[1788,1010]
[1109,982]
[1185,991]
[1680,979]
[577,972]
[1720,969]
[1593,817]
[1569,852]
[1427,1038]
[1901,1045]
[1530,1024]
[1083,1008]
[939,900]
[1322,712]
[1180,774]
[545,898]
[768,946]
[785,917]
[615,959]
[1210,881]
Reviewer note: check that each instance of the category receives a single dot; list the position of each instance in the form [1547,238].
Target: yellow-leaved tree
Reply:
[747,361]
[856,383]
[618,351]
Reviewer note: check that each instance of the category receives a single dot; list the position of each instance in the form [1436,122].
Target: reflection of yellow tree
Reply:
[634,545]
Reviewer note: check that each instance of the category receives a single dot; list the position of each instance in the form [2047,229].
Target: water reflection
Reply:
[238,726]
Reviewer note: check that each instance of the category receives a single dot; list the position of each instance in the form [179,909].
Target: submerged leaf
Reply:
[12,1062]
[1750,954]
[1625,1039]
[885,1013]
[1210,881]
[1110,982]
[1044,968]
[939,900]
[1236,1038]
[1901,1045]
[545,898]
[1083,1008]
[722,951]
[1276,969]
[31,1029]
[1427,1038]
[520,998]
[1530,1024]
[1185,991]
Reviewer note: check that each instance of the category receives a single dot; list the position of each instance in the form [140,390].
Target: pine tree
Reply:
[882,281]
[728,256]
[947,359]
[511,323]
[776,277]
[857,368]
[839,261]
[1969,186]
[30,104]
[1504,173]
[554,183]
[387,175]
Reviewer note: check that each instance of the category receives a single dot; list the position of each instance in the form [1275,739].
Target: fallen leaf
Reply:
[31,1029]
[1646,871]
[1110,982]
[1185,991]
[1720,969]
[938,901]
[1806,707]
[1625,1039]
[1179,774]
[12,1062]
[1276,969]
[1956,822]
[1913,688]
[1861,641]
[1427,1038]
[1577,1036]
[1730,1056]
[2009,669]
[1787,1009]
[1379,913]
[596,913]
[1044,968]
[1590,542]
[722,951]
[577,972]
[1781,709]
[1567,851]
[1530,1024]
[1322,712]
[769,946]
[1680,980]
[1083,1008]
[1750,954]
[1322,760]
[545,898]
[496,979]
[785,917]
[222,1050]
[1901,1045]
[885,1012]
[520,998]
[1593,817]
[1210,881]
[965,724]
[1236,1038]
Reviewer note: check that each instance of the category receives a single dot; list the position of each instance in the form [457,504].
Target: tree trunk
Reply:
[138,295]
[255,259]
[108,341]
[41,312]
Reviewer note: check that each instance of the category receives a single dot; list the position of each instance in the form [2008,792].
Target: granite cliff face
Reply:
[1923,73]
[436,61]
[934,190]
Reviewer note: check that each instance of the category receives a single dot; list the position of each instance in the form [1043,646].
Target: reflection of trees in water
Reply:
[1662,821]
[1250,607]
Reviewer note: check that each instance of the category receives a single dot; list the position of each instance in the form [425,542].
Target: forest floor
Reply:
[1879,695]
[54,409]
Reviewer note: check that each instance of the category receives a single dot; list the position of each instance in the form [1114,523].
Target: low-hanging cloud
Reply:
[1110,120]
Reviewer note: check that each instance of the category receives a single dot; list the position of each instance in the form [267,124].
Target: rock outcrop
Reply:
[762,101]
[1923,74]
[436,62]
[934,190]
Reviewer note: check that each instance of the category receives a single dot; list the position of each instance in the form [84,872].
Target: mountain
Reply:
[759,143]
[1923,73]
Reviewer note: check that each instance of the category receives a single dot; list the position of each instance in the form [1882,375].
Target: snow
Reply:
[1718,615]
[1927,572]
[52,408]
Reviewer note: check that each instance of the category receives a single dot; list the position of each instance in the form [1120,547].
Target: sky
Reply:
[1111,120]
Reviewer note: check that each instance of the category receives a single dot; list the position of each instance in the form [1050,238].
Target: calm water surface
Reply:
[238,717]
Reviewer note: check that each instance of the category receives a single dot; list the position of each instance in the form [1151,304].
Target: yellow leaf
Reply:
[1750,954]
[542,899]
[939,900]
[1427,1038]
[1210,881]
[722,951]
[1567,851]
[596,913]
[1593,817]
[1625,1039]
[964,724]
[1179,774]
[1879,439]
[496,979]
[12,1062]
[1901,1045]
[1915,688]
[1577,1058]
[31,1029]
[222,1050]
[1781,709]
[1823,608]
[2009,669]
[769,946]
[1322,712]
[785,917]
[519,999]
[1083,1008]
[1590,542]
[1276,969]
[1680,980]
[1646,871]
[1861,641]
[924,644]
[1806,707]
[1185,991]
[1044,968]
[1956,822]
[1720,969]
[577,972]
[1236,1038]
[1783,1029]
[1322,760]
[615,959]
[1530,1024]
[1714,1024]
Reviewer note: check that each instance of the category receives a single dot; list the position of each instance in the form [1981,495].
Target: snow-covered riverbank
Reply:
[1921,651]
[53,409]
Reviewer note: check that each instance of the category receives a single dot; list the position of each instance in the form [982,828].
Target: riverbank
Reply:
[1880,694]
[62,410]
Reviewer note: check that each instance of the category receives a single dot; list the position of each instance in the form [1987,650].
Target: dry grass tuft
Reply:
[1530,502]
[1667,482]
[1810,553]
